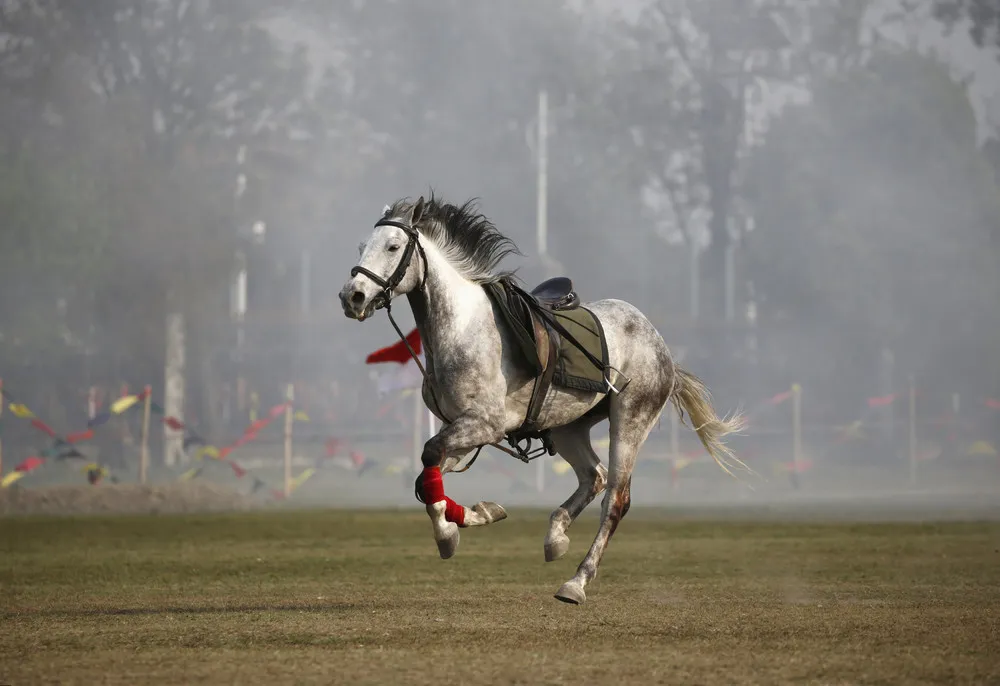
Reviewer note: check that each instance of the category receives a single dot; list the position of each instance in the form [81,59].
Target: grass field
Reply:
[332,597]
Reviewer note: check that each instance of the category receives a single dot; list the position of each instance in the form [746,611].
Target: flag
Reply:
[123,403]
[397,352]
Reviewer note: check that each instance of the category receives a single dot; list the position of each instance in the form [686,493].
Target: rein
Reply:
[384,301]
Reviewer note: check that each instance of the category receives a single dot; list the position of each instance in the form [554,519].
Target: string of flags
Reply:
[63,447]
[249,434]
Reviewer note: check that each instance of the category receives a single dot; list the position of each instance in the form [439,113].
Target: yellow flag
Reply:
[189,474]
[302,478]
[561,466]
[982,448]
[124,403]
[21,411]
[300,416]
[10,478]
[207,451]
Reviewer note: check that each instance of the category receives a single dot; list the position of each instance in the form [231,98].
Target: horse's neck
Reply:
[448,308]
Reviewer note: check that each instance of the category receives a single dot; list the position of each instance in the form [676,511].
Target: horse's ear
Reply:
[418,211]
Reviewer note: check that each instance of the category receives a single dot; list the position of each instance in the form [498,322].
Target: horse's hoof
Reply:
[572,593]
[556,548]
[491,512]
[449,543]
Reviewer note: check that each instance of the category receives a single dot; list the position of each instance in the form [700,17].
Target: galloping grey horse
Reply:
[444,258]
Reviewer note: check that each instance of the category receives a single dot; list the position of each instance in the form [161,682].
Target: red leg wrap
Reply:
[433,492]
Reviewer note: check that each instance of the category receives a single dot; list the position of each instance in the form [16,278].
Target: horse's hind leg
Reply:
[572,442]
[633,415]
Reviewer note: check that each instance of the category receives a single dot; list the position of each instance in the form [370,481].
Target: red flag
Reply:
[173,423]
[397,352]
[780,398]
[80,436]
[237,470]
[42,426]
[29,464]
[993,404]
[882,401]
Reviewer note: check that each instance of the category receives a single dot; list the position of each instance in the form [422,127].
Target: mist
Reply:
[804,198]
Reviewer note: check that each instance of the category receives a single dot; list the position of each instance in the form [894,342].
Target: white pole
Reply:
[305,278]
[675,446]
[730,282]
[418,445]
[796,430]
[543,163]
[913,431]
[694,272]
[431,424]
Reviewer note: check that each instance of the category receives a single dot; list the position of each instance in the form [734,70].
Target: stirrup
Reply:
[526,454]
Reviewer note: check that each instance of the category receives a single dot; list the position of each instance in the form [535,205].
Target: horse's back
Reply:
[633,341]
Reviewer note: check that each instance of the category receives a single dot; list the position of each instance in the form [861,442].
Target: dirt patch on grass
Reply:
[122,499]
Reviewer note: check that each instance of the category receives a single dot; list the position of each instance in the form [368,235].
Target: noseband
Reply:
[388,285]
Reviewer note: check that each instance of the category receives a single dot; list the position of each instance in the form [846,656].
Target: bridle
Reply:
[384,301]
[389,284]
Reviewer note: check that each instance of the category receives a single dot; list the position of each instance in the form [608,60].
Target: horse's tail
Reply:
[692,395]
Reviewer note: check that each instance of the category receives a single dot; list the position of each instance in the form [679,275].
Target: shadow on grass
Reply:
[181,610]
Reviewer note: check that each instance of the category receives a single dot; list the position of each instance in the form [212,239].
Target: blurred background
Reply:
[795,192]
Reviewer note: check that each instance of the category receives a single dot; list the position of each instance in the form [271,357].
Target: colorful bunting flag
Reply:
[43,427]
[21,411]
[29,464]
[882,401]
[209,451]
[302,478]
[300,416]
[173,423]
[122,404]
[98,420]
[190,474]
[780,398]
[11,478]
[80,436]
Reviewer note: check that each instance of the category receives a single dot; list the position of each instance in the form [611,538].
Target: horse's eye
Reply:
[393,248]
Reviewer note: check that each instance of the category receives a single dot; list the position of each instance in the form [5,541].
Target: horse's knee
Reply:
[432,456]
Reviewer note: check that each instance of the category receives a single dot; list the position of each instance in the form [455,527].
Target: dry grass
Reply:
[334,597]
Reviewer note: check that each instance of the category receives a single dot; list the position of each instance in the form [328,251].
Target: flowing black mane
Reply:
[466,237]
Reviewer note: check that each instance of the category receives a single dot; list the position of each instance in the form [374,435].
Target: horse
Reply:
[444,258]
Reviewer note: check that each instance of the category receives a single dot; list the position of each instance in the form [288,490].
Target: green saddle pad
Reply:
[573,368]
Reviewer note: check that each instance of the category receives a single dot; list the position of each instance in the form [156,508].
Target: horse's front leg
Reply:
[446,449]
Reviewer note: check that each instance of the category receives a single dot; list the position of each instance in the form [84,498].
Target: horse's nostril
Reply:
[357,298]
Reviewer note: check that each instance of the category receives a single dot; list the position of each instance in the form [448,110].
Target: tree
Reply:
[983,18]
[874,209]
[148,101]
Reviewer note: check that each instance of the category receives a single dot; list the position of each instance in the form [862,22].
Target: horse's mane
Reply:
[467,239]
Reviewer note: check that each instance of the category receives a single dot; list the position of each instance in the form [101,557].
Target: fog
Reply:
[795,193]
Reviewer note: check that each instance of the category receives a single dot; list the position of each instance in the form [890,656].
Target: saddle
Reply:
[537,333]
[557,294]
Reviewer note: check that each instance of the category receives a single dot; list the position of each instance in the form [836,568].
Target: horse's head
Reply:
[389,264]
